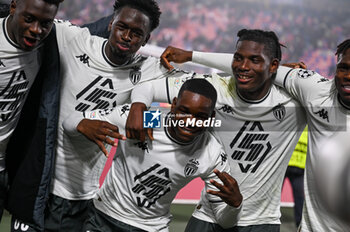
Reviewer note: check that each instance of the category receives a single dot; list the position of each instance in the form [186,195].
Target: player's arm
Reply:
[99,126]
[302,84]
[220,61]
[159,90]
[223,194]
[100,27]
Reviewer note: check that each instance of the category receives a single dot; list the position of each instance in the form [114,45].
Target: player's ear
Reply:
[173,105]
[146,40]
[111,24]
[13,7]
[274,65]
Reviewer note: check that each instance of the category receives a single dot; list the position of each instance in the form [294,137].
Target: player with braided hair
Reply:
[326,104]
[258,129]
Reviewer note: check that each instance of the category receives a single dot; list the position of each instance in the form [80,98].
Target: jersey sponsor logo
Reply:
[302,73]
[279,112]
[135,75]
[227,109]
[250,146]
[2,64]
[150,185]
[152,119]
[12,95]
[323,114]
[99,94]
[84,59]
[191,167]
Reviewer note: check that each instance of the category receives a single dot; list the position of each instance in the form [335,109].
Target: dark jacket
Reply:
[30,153]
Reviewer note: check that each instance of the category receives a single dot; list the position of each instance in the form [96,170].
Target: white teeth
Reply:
[243,77]
[346,87]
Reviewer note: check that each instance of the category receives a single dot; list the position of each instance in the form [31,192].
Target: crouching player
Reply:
[145,177]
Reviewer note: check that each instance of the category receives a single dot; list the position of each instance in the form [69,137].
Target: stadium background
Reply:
[310,30]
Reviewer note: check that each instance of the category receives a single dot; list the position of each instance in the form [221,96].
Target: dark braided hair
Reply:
[268,38]
[148,7]
[342,47]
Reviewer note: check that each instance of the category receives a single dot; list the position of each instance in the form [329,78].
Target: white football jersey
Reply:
[90,81]
[259,138]
[18,69]
[145,177]
[326,117]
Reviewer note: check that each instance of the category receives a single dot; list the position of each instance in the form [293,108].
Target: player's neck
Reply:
[256,96]
[114,59]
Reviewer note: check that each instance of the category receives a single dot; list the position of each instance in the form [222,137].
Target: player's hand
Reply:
[100,132]
[177,55]
[229,191]
[134,123]
[296,65]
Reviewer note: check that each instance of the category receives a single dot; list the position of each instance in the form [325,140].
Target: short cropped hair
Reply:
[342,47]
[268,38]
[148,7]
[200,86]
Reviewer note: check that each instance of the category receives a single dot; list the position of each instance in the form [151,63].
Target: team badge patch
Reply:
[279,112]
[302,73]
[191,167]
[135,75]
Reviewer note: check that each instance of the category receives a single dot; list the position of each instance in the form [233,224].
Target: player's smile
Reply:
[130,29]
[30,42]
[252,69]
[342,77]
[123,47]
[243,78]
[188,107]
[30,22]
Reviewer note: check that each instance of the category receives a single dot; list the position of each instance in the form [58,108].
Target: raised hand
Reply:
[229,190]
[176,55]
[134,124]
[296,65]
[100,132]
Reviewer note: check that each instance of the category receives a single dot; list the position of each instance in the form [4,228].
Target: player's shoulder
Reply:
[211,144]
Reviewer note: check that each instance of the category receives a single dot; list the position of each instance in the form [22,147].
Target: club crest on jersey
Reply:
[135,75]
[302,73]
[279,112]
[191,167]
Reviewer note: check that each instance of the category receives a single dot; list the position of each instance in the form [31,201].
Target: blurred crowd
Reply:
[309,32]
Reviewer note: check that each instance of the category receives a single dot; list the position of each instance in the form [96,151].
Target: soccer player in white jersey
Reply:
[96,74]
[21,34]
[327,105]
[327,110]
[145,177]
[261,125]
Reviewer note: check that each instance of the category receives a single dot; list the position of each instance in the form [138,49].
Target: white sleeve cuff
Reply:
[221,61]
